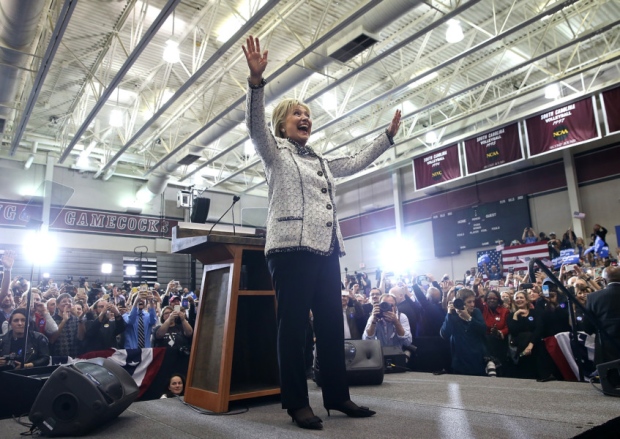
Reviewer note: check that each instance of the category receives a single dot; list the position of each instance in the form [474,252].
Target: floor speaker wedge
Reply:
[81,396]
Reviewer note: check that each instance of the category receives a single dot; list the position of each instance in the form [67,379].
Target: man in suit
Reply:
[352,312]
[605,305]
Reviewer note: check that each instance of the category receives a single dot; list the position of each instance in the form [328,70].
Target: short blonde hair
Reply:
[281,111]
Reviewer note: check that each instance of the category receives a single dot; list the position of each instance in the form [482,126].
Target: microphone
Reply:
[235,199]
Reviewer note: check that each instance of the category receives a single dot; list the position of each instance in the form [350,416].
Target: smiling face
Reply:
[297,125]
[521,301]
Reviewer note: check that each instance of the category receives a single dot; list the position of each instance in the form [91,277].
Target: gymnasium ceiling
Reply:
[71,64]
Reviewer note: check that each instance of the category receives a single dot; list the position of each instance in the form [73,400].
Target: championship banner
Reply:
[610,100]
[493,149]
[16,214]
[562,127]
[437,167]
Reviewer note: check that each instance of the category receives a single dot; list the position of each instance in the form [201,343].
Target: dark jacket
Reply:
[355,313]
[432,316]
[412,310]
[467,342]
[605,305]
[103,335]
[38,349]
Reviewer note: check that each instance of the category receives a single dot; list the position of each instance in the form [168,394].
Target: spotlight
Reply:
[131,270]
[106,268]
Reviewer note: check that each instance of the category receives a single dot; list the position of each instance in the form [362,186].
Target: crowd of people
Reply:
[487,323]
[490,322]
[68,321]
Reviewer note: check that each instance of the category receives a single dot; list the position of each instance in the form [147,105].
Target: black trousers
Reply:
[305,281]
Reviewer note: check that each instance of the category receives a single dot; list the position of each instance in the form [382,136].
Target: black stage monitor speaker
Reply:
[394,359]
[81,396]
[363,360]
[200,211]
[609,374]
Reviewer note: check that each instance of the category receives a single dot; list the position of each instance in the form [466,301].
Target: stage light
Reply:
[131,270]
[396,255]
[172,54]
[46,275]
[552,91]
[248,149]
[106,268]
[454,33]
[40,247]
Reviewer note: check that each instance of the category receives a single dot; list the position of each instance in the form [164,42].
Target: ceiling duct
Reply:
[19,22]
[352,44]
[188,159]
[381,16]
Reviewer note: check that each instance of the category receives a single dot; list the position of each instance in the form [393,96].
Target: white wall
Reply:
[112,195]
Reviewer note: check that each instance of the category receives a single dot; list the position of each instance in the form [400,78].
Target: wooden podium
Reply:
[233,353]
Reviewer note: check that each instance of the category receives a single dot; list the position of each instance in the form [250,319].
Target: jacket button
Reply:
[324,191]
[320,173]
[329,224]
[329,207]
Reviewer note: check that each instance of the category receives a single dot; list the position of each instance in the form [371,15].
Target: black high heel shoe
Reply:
[351,409]
[305,418]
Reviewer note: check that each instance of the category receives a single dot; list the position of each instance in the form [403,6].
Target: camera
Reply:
[10,360]
[383,308]
[82,281]
[458,304]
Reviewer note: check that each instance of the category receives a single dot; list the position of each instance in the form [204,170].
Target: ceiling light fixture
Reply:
[431,137]
[552,91]
[454,33]
[172,54]
[116,118]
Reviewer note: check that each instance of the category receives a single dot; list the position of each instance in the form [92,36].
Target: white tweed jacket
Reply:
[301,213]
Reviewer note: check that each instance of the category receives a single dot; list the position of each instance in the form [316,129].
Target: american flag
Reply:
[494,256]
[519,256]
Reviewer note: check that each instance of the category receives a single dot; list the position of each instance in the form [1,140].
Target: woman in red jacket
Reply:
[495,316]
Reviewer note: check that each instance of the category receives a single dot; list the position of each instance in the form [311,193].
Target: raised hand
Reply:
[8,258]
[257,61]
[395,124]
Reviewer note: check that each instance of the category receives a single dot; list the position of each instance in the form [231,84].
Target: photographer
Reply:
[140,321]
[12,345]
[103,331]
[387,325]
[433,314]
[465,328]
[175,331]
[529,236]
[352,312]
[65,342]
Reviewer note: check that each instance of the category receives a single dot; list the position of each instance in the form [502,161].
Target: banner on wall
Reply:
[562,127]
[91,221]
[493,149]
[610,101]
[437,167]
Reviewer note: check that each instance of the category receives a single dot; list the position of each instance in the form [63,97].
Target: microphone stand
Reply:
[235,199]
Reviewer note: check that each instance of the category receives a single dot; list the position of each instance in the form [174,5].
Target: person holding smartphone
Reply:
[553,318]
[464,327]
[174,332]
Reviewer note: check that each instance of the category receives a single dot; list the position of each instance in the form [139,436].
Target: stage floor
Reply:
[408,405]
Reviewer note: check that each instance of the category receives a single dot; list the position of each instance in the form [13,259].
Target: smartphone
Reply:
[177,308]
[525,286]
[54,285]
[185,303]
[545,290]
[81,290]
[422,280]
[458,282]
[568,268]
[494,283]
[511,270]
[143,287]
